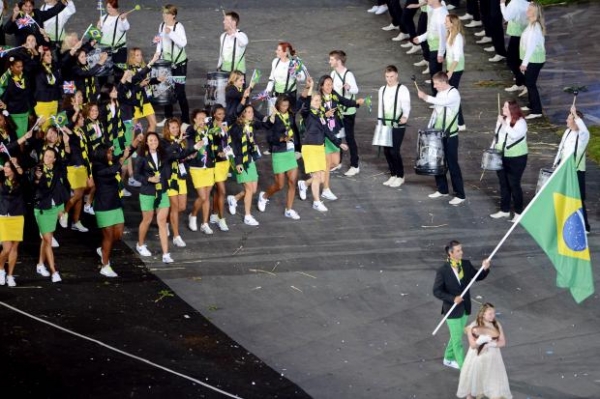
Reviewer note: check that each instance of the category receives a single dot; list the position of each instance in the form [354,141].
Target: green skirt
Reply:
[47,218]
[21,122]
[110,218]
[249,175]
[284,161]
[147,202]
[330,148]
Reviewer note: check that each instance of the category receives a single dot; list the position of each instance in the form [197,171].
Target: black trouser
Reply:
[581,180]
[455,81]
[510,182]
[513,60]
[350,140]
[180,71]
[395,10]
[531,76]
[434,67]
[497,35]
[451,154]
[422,28]
[408,19]
[392,154]
[473,9]
[484,7]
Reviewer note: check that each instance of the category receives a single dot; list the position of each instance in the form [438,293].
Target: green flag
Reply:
[94,33]
[60,119]
[555,221]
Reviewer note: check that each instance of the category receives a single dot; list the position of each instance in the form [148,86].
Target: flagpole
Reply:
[514,225]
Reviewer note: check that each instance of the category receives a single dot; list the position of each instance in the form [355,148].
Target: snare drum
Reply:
[215,88]
[382,136]
[93,57]
[162,93]
[491,160]
[543,177]
[430,153]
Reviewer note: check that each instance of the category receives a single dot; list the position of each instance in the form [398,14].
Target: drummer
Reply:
[172,48]
[574,141]
[232,53]
[511,141]
[55,26]
[114,27]
[445,114]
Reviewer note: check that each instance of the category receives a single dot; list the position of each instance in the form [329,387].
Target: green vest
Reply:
[345,110]
[450,60]
[514,29]
[173,53]
[239,60]
[447,121]
[515,149]
[113,38]
[538,56]
[433,38]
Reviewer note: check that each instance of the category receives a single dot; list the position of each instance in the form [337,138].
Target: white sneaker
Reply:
[490,49]
[10,281]
[465,17]
[428,81]
[484,40]
[352,171]
[126,193]
[462,128]
[42,271]
[214,219]
[108,271]
[99,252]
[480,33]
[292,214]
[262,201]
[533,116]
[515,217]
[523,93]
[193,222]
[143,250]
[499,215]
[390,27]
[473,24]
[231,204]
[302,189]
[408,44]
[2,277]
[525,109]
[161,123]
[451,363]
[87,208]
[223,225]
[381,9]
[421,63]
[168,230]
[166,258]
[414,49]
[496,58]
[205,228]
[437,194]
[389,181]
[398,181]
[456,201]
[79,227]
[426,71]
[336,167]
[401,36]
[133,183]
[56,277]
[250,221]
[514,88]
[327,194]
[64,220]
[178,242]
[319,206]
[373,9]
[450,7]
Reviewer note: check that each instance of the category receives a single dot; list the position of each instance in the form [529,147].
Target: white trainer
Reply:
[406,45]
[523,93]
[373,9]
[499,215]
[462,128]
[353,171]
[319,206]
[205,228]
[214,219]
[533,116]
[389,181]
[456,201]
[223,225]
[56,277]
[336,167]
[414,49]
[490,49]
[126,193]
[515,217]
[474,24]
[193,222]
[2,277]
[143,250]
[178,242]
[133,183]
[42,271]
[390,27]
[437,194]
[481,33]
[166,258]
[465,17]
[398,181]
[514,88]
[496,58]
[10,281]
[79,227]
[401,36]
[231,204]
[381,9]
[421,63]
[262,201]
[250,221]
[64,220]
[451,363]
[328,195]
[426,71]
[108,271]
[484,40]
[292,214]
[302,189]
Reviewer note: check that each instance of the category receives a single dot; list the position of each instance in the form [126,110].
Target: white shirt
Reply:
[512,133]
[108,30]
[348,78]
[176,38]
[515,11]
[437,21]
[55,26]
[532,37]
[279,74]
[455,50]
[449,98]
[226,51]
[387,99]
[570,139]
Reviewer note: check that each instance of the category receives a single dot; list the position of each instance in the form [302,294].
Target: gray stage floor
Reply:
[341,303]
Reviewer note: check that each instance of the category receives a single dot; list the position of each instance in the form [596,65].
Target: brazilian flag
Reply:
[555,221]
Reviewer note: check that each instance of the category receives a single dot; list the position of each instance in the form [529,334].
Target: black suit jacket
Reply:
[446,288]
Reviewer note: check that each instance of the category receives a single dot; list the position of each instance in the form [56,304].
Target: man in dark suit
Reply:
[450,280]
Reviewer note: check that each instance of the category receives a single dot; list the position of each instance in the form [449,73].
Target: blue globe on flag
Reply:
[574,231]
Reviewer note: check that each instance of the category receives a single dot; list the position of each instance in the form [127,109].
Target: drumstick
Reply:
[499,110]
[136,8]
[414,79]
[481,178]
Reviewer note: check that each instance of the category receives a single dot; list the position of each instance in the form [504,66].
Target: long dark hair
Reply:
[100,154]
[143,147]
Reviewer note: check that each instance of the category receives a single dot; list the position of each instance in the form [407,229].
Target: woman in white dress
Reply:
[483,372]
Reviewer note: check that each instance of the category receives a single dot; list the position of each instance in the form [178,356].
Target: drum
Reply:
[430,153]
[94,56]
[382,136]
[491,160]
[215,88]
[162,93]
[543,177]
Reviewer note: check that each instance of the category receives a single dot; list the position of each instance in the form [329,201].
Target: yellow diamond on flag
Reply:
[570,227]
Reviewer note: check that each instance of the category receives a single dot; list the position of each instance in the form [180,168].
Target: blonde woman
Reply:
[236,97]
[533,53]
[141,79]
[455,57]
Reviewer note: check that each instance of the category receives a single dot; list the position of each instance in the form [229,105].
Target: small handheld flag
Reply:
[256,75]
[60,119]
[69,87]
[369,103]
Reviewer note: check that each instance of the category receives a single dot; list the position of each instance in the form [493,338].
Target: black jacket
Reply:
[446,287]
[39,16]
[316,126]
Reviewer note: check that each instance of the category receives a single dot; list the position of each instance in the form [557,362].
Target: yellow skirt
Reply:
[46,109]
[221,171]
[314,158]
[182,183]
[147,109]
[77,176]
[11,228]
[203,177]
